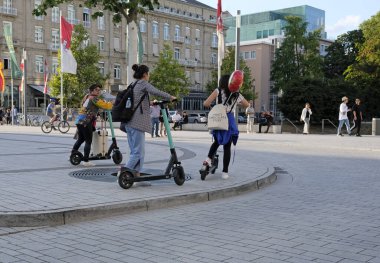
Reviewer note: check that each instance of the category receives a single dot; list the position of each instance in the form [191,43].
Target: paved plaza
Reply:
[323,207]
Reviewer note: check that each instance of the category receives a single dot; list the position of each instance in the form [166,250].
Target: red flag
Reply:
[46,76]
[20,88]
[68,62]
[2,81]
[219,25]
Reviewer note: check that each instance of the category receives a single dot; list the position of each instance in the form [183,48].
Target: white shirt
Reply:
[343,111]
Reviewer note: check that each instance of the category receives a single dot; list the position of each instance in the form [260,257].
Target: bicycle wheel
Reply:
[46,127]
[63,126]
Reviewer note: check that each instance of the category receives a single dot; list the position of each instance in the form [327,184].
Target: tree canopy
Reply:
[168,75]
[129,9]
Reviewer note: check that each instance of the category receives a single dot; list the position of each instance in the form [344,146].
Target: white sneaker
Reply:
[225,176]
[88,164]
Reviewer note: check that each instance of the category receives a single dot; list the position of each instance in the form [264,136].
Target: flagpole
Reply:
[60,30]
[12,93]
[24,89]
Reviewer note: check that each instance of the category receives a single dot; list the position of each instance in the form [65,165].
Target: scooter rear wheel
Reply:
[179,175]
[76,158]
[124,180]
[117,157]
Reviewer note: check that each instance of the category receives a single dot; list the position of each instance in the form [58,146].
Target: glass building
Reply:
[270,23]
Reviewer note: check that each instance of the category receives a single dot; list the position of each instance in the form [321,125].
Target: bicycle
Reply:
[63,126]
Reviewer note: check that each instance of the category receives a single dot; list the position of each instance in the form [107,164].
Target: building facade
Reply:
[189,27]
[260,35]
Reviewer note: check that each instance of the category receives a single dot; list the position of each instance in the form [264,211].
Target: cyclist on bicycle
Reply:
[50,111]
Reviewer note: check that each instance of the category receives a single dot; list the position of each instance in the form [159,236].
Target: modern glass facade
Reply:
[266,24]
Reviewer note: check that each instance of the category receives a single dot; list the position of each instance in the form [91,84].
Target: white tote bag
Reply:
[217,118]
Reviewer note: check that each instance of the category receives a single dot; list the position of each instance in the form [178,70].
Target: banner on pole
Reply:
[16,72]
[219,32]
[46,76]
[68,62]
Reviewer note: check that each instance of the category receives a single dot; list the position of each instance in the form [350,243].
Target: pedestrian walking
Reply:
[155,111]
[140,122]
[358,117]
[225,138]
[343,119]
[250,112]
[305,117]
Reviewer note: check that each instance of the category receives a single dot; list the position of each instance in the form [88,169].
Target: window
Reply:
[214,59]
[187,32]
[36,4]
[155,31]
[259,34]
[197,77]
[101,24]
[71,14]
[177,53]
[38,34]
[177,31]
[100,42]
[197,34]
[55,15]
[86,17]
[197,55]
[101,68]
[271,32]
[166,32]
[117,71]
[214,41]
[54,39]
[142,26]
[155,50]
[39,60]
[54,65]
[116,44]
[253,54]
[265,33]
[187,53]
[7,4]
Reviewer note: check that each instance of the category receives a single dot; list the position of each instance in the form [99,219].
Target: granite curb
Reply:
[67,216]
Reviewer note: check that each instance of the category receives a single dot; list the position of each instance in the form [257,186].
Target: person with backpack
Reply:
[140,122]
[225,138]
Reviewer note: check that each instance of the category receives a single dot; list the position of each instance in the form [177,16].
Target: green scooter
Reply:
[127,177]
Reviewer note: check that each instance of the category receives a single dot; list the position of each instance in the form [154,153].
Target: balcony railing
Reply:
[8,10]
[87,24]
[188,62]
[179,39]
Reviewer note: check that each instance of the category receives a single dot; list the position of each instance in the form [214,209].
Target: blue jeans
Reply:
[155,125]
[347,123]
[136,142]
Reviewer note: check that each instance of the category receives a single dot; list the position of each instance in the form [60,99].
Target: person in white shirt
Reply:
[305,117]
[250,112]
[177,119]
[343,119]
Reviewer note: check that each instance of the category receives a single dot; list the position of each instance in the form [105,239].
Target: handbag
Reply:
[217,118]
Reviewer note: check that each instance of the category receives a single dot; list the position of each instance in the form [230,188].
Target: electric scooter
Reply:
[102,153]
[127,177]
[205,170]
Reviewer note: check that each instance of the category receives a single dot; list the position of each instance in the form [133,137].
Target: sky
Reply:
[340,15]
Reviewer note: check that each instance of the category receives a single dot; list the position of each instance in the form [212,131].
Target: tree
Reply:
[365,73]
[228,66]
[298,57]
[87,57]
[129,9]
[168,75]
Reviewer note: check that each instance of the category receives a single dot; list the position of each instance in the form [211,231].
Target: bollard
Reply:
[375,126]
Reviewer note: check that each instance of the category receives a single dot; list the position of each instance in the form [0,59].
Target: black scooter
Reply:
[112,152]
[127,177]
[205,170]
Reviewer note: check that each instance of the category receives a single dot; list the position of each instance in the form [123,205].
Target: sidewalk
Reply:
[40,187]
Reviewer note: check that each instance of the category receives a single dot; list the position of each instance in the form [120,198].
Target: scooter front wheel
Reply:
[125,179]
[76,158]
[179,175]
[117,157]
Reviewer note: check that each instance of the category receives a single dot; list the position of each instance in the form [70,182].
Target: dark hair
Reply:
[223,84]
[94,86]
[139,70]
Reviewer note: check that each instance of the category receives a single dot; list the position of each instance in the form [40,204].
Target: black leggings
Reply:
[84,135]
[226,153]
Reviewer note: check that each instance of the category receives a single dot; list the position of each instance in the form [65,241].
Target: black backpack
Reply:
[121,112]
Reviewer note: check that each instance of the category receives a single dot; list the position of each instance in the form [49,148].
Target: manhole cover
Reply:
[105,175]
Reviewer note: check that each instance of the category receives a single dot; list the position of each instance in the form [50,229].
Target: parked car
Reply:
[197,118]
